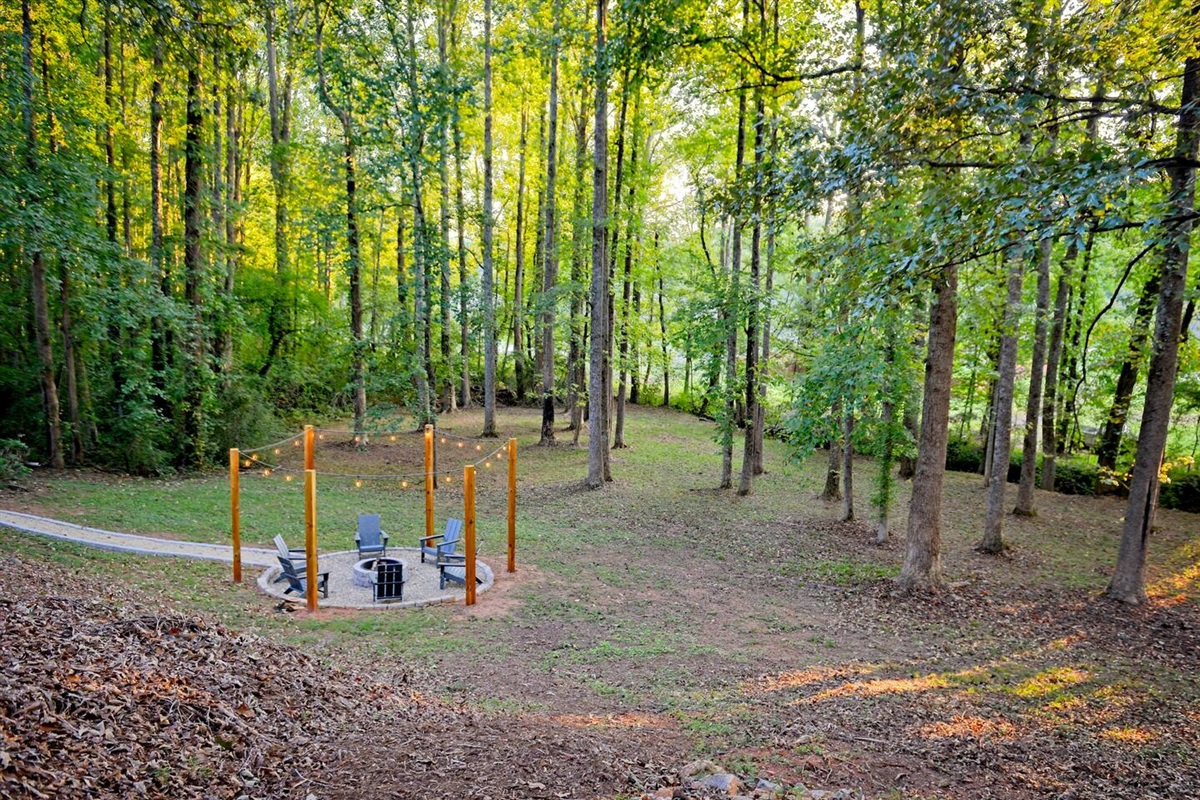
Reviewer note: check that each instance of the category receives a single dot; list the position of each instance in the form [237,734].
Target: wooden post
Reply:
[429,480]
[310,535]
[469,523]
[310,459]
[512,505]
[235,511]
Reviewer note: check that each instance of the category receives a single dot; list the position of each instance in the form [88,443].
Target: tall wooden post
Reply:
[469,523]
[310,535]
[512,505]
[235,511]
[429,480]
[310,458]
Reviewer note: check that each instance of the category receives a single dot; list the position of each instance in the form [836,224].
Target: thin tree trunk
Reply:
[549,252]
[833,471]
[518,314]
[1109,445]
[597,423]
[449,402]
[1128,583]
[1037,368]
[37,268]
[848,467]
[627,278]
[662,329]
[280,109]
[575,363]
[489,308]
[752,331]
[194,445]
[1053,362]
[993,527]
[732,304]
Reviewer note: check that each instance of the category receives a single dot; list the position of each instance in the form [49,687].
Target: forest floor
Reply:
[649,624]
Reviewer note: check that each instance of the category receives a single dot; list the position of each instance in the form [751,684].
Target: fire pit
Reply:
[364,569]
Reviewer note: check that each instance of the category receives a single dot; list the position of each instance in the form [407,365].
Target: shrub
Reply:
[1076,477]
[964,455]
[1182,492]
[13,453]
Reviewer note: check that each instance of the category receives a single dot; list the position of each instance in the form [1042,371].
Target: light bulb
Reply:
[358,484]
[403,484]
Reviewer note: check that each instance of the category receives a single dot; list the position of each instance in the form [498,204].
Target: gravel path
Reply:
[421,580]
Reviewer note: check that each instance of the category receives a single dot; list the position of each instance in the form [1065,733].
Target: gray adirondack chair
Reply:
[298,581]
[297,554]
[441,544]
[370,539]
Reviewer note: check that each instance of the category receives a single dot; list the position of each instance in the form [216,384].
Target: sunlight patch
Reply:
[1129,735]
[630,720]
[1051,680]
[797,679]
[883,686]
[962,726]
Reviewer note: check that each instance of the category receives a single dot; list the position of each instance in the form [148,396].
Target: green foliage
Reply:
[1076,477]
[13,454]
[1181,492]
[964,455]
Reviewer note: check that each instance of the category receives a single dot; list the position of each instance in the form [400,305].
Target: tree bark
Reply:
[489,308]
[1037,367]
[550,251]
[518,313]
[448,379]
[1128,584]
[597,421]
[1110,437]
[1053,362]
[194,445]
[279,103]
[752,332]
[575,363]
[922,569]
[732,306]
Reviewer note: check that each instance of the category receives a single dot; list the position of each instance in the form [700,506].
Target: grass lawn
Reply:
[759,631]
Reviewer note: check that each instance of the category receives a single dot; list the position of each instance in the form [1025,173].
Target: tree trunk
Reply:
[489,308]
[662,329]
[997,480]
[1128,583]
[1037,367]
[575,371]
[848,467]
[1053,362]
[194,445]
[833,473]
[1110,437]
[730,312]
[358,356]
[550,252]
[448,377]
[922,569]
[518,313]
[280,108]
[752,332]
[597,422]
[627,277]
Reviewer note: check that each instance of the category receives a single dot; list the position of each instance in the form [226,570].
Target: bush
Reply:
[1076,477]
[1182,492]
[964,455]
[12,459]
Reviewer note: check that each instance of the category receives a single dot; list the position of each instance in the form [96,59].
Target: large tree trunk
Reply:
[489,307]
[1128,583]
[358,356]
[1029,445]
[447,377]
[833,471]
[550,254]
[922,569]
[997,480]
[1110,437]
[597,422]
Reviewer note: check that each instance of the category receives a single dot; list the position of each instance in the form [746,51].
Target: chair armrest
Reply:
[426,539]
[383,537]
[451,559]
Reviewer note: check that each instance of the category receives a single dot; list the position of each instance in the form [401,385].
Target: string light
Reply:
[296,443]
[478,447]
[266,473]
[443,440]
[321,436]
[358,484]
[391,438]
[487,463]
[403,484]
[276,451]
[460,444]
[356,440]
[246,463]
[287,478]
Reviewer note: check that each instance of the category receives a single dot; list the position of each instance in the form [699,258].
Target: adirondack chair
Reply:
[430,546]
[370,539]
[453,567]
[388,582]
[297,581]
[297,554]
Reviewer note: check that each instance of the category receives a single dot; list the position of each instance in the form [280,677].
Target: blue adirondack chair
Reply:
[453,567]
[370,539]
[441,544]
[388,582]
[297,555]
[298,581]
